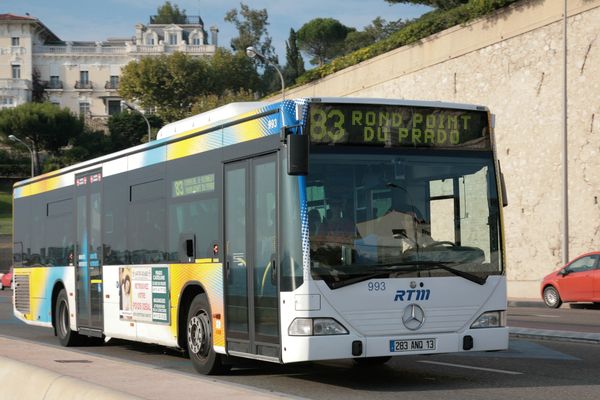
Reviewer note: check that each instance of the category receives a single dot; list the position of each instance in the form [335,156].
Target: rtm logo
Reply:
[413,294]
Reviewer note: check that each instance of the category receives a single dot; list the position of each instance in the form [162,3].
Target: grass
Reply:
[5,208]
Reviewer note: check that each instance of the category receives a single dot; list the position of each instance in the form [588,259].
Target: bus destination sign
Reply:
[397,126]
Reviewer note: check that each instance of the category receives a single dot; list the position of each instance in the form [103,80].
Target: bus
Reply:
[302,230]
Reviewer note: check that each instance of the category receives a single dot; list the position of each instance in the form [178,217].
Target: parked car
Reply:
[6,280]
[578,280]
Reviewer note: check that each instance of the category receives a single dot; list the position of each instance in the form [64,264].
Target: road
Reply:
[529,369]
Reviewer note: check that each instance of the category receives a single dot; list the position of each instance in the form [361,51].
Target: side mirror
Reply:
[564,272]
[297,154]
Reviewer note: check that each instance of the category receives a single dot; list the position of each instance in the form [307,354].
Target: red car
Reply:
[578,280]
[6,280]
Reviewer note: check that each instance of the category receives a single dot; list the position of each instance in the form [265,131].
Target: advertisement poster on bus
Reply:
[144,296]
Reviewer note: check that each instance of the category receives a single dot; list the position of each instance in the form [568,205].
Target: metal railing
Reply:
[187,20]
[83,85]
[111,85]
[54,85]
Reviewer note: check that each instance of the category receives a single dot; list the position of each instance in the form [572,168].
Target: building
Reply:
[84,76]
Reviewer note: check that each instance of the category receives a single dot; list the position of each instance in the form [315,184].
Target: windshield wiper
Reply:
[386,269]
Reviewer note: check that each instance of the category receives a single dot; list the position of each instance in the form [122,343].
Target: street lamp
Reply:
[16,139]
[252,53]
[132,108]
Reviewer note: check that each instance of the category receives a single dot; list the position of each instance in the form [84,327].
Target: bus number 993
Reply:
[376,286]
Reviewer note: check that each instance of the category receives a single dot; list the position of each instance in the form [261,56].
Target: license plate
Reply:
[399,346]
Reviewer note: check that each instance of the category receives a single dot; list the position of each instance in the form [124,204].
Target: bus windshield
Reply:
[389,214]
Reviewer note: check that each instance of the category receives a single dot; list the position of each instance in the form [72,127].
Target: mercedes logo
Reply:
[413,317]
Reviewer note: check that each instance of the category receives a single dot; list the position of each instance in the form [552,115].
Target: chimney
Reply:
[214,33]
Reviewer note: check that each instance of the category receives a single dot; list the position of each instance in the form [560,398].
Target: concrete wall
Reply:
[512,63]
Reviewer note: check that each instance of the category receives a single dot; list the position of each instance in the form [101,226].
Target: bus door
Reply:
[88,254]
[251,264]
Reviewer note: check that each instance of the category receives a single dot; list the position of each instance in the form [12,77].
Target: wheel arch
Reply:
[58,286]
[188,293]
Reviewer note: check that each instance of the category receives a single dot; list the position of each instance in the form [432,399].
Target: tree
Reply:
[166,84]
[323,39]
[127,129]
[38,92]
[379,29]
[208,102]
[169,14]
[441,4]
[232,72]
[43,125]
[252,30]
[294,63]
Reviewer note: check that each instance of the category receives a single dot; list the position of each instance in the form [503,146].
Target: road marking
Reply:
[500,371]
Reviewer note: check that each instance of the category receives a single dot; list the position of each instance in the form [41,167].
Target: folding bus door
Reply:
[251,270]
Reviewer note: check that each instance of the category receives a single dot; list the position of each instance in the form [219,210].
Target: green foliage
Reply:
[43,126]
[211,101]
[294,63]
[428,24]
[252,30]
[15,163]
[441,4]
[5,208]
[323,39]
[128,129]
[169,14]
[232,72]
[379,29]
[167,84]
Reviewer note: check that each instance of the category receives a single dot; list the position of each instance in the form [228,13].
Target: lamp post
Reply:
[132,108]
[252,53]
[16,139]
[565,146]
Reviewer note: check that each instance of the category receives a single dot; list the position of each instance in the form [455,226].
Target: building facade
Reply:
[84,76]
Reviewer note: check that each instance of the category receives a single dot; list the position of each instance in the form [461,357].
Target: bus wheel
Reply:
[371,361]
[66,336]
[200,338]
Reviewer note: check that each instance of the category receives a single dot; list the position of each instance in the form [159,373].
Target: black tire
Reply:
[551,297]
[66,336]
[371,361]
[199,339]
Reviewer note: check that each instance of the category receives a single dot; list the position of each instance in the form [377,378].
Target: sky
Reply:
[99,20]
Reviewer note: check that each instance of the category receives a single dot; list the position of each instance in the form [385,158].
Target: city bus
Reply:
[302,230]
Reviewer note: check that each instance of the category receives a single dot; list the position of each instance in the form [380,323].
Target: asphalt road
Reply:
[528,370]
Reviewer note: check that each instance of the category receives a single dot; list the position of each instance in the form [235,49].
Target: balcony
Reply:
[189,20]
[54,85]
[84,85]
[111,85]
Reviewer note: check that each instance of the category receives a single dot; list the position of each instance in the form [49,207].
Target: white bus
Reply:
[304,230]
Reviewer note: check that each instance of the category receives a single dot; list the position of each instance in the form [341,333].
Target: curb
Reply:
[564,336]
[24,381]
[526,303]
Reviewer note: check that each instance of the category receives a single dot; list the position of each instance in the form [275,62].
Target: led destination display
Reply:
[397,126]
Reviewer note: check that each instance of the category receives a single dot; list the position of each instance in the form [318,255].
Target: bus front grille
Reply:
[22,293]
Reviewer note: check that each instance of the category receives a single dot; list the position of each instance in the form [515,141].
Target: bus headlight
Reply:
[316,327]
[490,319]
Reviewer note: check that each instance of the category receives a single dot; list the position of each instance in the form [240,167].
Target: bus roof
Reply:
[218,114]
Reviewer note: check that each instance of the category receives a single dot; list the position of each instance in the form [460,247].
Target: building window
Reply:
[7,102]
[114,107]
[15,41]
[196,41]
[150,40]
[114,81]
[54,82]
[16,71]
[84,109]
[84,77]
[172,39]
